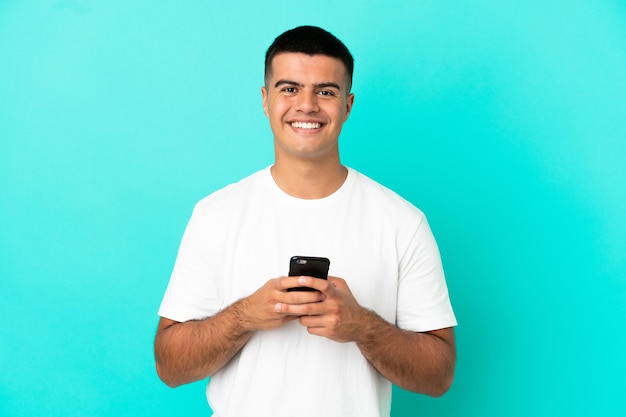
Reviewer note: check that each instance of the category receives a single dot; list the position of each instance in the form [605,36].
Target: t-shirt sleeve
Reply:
[193,291]
[423,299]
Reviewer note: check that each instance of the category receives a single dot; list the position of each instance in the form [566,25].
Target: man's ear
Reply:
[264,96]
[349,103]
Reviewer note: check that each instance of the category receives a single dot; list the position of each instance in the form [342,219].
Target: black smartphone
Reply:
[310,266]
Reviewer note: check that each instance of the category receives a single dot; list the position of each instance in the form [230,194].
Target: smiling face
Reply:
[307,100]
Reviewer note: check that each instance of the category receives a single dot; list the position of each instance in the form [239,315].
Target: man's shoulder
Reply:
[234,193]
[383,195]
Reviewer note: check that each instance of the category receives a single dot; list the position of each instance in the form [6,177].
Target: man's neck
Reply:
[309,180]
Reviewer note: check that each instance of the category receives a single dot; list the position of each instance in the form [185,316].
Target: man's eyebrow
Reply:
[286,82]
[297,84]
[326,85]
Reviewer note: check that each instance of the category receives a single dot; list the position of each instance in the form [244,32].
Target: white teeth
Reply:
[306,125]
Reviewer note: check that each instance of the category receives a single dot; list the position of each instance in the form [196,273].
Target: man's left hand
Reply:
[338,316]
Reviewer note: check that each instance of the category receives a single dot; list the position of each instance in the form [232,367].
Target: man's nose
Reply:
[307,102]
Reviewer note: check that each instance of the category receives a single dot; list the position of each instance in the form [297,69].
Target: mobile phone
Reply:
[310,266]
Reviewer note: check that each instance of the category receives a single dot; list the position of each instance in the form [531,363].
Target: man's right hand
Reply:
[261,310]
[195,349]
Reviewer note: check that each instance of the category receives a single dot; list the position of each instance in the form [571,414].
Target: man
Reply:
[335,351]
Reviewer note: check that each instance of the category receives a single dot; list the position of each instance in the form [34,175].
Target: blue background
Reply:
[504,121]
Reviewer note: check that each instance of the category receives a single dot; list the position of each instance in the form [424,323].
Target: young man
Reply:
[331,352]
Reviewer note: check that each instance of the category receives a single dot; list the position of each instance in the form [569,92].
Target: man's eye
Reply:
[289,89]
[326,93]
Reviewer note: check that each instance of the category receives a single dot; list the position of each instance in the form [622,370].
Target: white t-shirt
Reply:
[245,234]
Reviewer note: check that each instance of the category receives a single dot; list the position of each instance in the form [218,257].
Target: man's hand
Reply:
[192,350]
[269,307]
[338,317]
[417,361]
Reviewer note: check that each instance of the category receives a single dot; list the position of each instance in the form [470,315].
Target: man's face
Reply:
[307,101]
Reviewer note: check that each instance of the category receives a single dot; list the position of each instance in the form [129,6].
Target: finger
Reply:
[286,300]
[304,309]
[337,282]
[300,297]
[284,283]
[312,322]
[287,309]
[318,284]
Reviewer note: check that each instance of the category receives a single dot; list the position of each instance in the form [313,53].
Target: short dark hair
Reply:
[310,40]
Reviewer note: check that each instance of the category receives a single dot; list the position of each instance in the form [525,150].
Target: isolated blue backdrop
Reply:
[504,121]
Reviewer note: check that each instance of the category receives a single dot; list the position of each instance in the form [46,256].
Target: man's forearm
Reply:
[418,362]
[193,350]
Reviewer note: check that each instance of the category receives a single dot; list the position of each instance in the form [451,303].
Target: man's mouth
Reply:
[306,125]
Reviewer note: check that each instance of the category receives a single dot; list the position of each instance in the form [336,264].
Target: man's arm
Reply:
[193,350]
[419,362]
